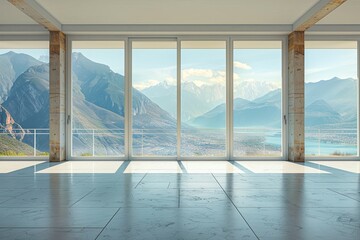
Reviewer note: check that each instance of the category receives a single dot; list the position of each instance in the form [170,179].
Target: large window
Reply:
[257,94]
[154,98]
[178,102]
[331,98]
[24,98]
[98,98]
[203,98]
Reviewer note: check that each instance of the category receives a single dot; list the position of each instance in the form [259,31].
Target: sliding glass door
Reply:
[203,99]
[257,99]
[24,99]
[331,99]
[180,99]
[154,99]
[98,99]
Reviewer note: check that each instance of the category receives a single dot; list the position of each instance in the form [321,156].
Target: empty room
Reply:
[169,119]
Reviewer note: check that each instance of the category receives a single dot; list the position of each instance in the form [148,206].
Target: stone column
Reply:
[296,127]
[57,96]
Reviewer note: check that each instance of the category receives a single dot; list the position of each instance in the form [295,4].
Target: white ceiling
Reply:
[177,11]
[347,13]
[11,15]
[250,15]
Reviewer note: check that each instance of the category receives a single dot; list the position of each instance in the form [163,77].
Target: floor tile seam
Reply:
[302,207]
[6,200]
[330,182]
[71,205]
[342,194]
[50,227]
[11,198]
[22,193]
[116,207]
[51,207]
[302,191]
[252,230]
[147,207]
[140,180]
[107,224]
[23,187]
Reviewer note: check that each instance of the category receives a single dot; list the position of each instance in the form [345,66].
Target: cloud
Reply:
[143,85]
[204,77]
[236,76]
[192,72]
[170,80]
[242,66]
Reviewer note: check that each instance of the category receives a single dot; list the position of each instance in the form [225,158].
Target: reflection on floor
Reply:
[84,167]
[11,166]
[210,167]
[179,200]
[278,167]
[349,166]
[153,167]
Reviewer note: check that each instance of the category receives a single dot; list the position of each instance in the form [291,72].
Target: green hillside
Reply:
[12,147]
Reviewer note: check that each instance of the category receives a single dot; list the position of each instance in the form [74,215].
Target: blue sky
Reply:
[35,53]
[258,65]
[151,66]
[324,64]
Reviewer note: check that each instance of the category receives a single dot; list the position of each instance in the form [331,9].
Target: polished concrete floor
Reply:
[180,200]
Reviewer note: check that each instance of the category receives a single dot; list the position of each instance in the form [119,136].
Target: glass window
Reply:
[154,98]
[331,98]
[203,98]
[257,104]
[24,98]
[98,97]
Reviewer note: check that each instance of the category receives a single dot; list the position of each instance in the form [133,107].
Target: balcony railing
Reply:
[257,142]
[35,138]
[330,142]
[90,140]
[147,142]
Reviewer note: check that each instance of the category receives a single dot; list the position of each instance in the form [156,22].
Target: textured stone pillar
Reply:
[57,96]
[296,127]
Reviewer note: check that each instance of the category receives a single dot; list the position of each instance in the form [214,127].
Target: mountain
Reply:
[272,97]
[99,100]
[338,93]
[98,103]
[199,100]
[29,95]
[253,89]
[9,146]
[257,113]
[336,105]
[12,65]
[104,88]
[319,113]
[195,100]
[9,126]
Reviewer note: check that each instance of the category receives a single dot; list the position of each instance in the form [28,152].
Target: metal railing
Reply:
[257,141]
[318,141]
[29,137]
[330,142]
[92,134]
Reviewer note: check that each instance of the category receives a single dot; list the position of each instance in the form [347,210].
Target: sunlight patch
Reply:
[348,166]
[277,167]
[84,167]
[153,167]
[12,166]
[210,167]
